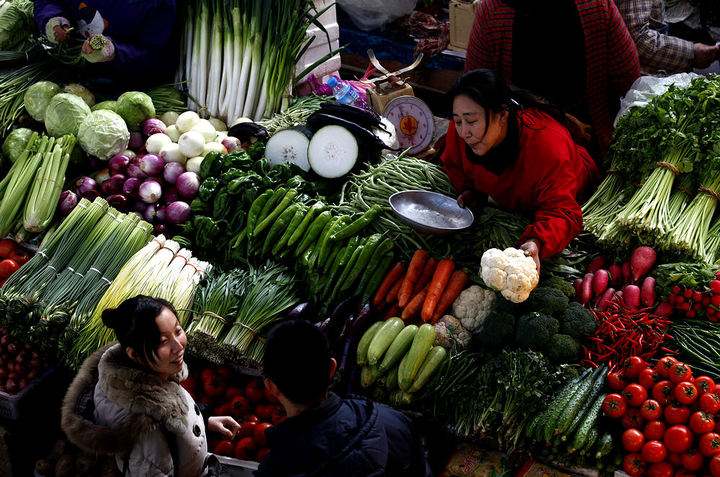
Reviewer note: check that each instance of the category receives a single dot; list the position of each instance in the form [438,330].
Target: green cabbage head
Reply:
[38,96]
[64,114]
[135,107]
[103,134]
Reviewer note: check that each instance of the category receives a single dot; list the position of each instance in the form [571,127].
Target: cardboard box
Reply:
[462,17]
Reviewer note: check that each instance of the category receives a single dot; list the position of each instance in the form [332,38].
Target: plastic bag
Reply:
[645,88]
[371,14]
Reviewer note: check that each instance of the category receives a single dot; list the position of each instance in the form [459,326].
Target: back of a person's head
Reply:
[297,360]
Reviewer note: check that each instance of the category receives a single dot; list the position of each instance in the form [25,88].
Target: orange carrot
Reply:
[415,268]
[392,312]
[454,287]
[426,275]
[436,287]
[394,275]
[413,308]
[393,293]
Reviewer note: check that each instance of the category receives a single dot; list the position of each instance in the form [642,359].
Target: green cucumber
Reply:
[414,359]
[589,389]
[383,339]
[558,405]
[399,347]
[368,376]
[584,412]
[604,446]
[364,343]
[582,435]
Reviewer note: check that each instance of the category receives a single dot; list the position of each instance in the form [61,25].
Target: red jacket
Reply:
[611,62]
[543,183]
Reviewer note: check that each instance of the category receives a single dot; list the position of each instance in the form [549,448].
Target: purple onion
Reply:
[153,126]
[136,141]
[178,212]
[84,185]
[133,170]
[102,175]
[231,143]
[172,171]
[118,201]
[114,185]
[118,164]
[161,213]
[130,187]
[150,191]
[150,213]
[159,229]
[90,195]
[139,208]
[187,185]
[68,201]
[170,195]
[130,154]
[151,165]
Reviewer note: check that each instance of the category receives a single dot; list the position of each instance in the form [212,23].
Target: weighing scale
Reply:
[413,122]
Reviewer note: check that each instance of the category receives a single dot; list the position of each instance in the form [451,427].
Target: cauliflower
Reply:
[510,272]
[449,333]
[473,306]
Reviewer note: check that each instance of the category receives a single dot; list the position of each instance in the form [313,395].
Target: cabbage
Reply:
[64,114]
[82,91]
[107,105]
[37,98]
[15,143]
[135,107]
[103,134]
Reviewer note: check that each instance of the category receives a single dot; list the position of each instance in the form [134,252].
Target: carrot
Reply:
[393,293]
[390,279]
[415,268]
[436,287]
[455,286]
[426,275]
[392,312]
[413,308]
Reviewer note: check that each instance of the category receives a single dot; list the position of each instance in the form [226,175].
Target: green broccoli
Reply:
[497,330]
[548,301]
[559,283]
[534,330]
[563,349]
[577,321]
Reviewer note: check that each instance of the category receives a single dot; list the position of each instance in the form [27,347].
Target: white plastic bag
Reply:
[645,88]
[371,14]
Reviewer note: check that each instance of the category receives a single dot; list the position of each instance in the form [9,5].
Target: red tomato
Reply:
[245,448]
[675,459]
[252,418]
[7,247]
[246,429]
[633,440]
[710,444]
[678,439]
[660,469]
[704,384]
[254,391]
[259,434]
[653,451]
[269,396]
[224,448]
[616,381]
[717,389]
[710,403]
[650,410]
[635,394]
[676,414]
[654,431]
[685,392]
[8,267]
[225,373]
[632,366]
[664,366]
[231,392]
[680,372]
[262,454]
[702,423]
[684,473]
[614,405]
[633,465]
[692,460]
[239,405]
[21,257]
[715,466]
[264,411]
[662,392]
[632,419]
[648,378]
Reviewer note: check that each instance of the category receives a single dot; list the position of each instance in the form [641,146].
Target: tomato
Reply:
[648,378]
[616,381]
[654,451]
[676,414]
[632,366]
[710,403]
[650,410]
[714,466]
[680,372]
[7,247]
[675,459]
[633,440]
[269,396]
[692,460]
[239,405]
[635,394]
[685,392]
[224,448]
[264,411]
[262,454]
[717,389]
[614,405]
[225,373]
[633,465]
[231,392]
[662,391]
[704,384]
[664,366]
[632,419]
[678,439]
[252,418]
[710,444]
[20,257]
[654,431]
[660,469]
[254,391]
[702,423]
[245,448]
[246,429]
[259,434]
[684,473]
[8,267]
[189,385]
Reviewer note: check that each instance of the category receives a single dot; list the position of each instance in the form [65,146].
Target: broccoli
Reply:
[577,321]
[563,349]
[497,330]
[559,283]
[534,330]
[548,301]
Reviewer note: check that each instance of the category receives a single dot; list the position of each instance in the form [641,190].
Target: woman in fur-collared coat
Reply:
[126,400]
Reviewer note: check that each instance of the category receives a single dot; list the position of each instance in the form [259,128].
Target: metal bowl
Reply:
[431,212]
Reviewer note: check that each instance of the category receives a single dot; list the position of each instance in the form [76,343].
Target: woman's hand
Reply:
[532,250]
[467,199]
[226,426]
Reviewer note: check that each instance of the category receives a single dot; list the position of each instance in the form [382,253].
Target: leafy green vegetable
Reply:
[103,134]
[64,114]
[37,98]
[15,143]
[135,107]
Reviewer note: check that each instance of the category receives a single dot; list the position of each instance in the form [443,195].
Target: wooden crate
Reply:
[462,16]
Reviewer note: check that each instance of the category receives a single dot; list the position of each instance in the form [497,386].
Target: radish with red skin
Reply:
[600,282]
[664,309]
[715,286]
[647,292]
[616,274]
[586,292]
[595,264]
[578,288]
[631,296]
[606,299]
[642,261]
[627,273]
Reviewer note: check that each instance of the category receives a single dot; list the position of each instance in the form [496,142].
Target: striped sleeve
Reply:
[624,63]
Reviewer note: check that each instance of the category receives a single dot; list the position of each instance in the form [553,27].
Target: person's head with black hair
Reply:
[150,333]
[298,367]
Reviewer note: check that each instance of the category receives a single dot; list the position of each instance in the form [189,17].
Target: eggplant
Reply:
[365,137]
[333,325]
[303,311]
[249,131]
[361,117]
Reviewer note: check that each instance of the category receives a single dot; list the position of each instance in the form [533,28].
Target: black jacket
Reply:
[347,438]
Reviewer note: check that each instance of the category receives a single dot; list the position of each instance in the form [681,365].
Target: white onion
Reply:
[186,121]
[214,147]
[169,118]
[173,133]
[193,164]
[191,143]
[156,142]
[205,128]
[171,153]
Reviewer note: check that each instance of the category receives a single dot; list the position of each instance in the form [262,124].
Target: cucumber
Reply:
[589,389]
[593,437]
[391,380]
[558,405]
[584,412]
[368,376]
[604,446]
[581,437]
[364,343]
[399,347]
[421,346]
[433,360]
[383,339]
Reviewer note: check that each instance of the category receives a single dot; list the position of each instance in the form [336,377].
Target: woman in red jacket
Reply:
[506,146]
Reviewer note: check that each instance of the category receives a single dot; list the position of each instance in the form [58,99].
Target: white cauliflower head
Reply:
[510,272]
[473,306]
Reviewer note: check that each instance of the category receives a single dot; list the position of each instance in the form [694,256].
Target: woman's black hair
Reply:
[134,324]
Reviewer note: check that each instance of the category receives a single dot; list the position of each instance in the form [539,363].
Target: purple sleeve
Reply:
[47,9]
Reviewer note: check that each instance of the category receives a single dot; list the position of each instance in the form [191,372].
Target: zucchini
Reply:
[558,405]
[590,388]
[411,363]
[581,437]
[399,347]
[391,380]
[433,360]
[364,343]
[383,339]
[368,376]
[400,398]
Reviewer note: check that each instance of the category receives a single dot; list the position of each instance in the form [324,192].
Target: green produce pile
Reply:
[699,344]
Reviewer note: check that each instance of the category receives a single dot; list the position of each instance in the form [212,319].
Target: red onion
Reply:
[153,126]
[118,201]
[231,143]
[133,170]
[161,213]
[68,201]
[170,194]
[118,164]
[139,207]
[150,213]
[101,176]
[173,170]
[159,229]
[85,184]
[178,212]
[136,141]
[150,191]
[187,185]
[151,165]
[90,195]
[114,185]
[130,187]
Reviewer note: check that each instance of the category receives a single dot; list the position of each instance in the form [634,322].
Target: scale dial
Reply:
[413,122]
